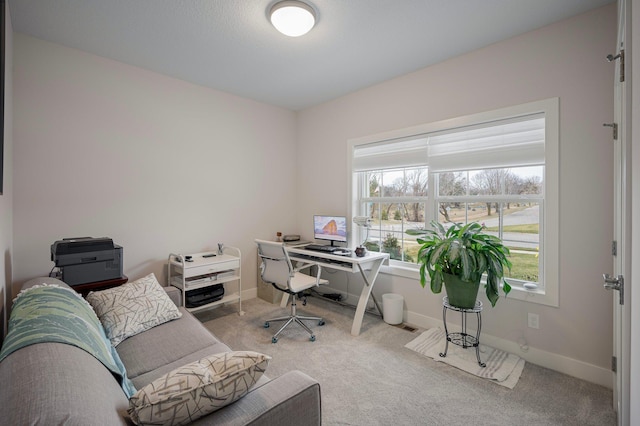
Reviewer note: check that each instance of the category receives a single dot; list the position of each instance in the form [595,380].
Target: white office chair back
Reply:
[276,266]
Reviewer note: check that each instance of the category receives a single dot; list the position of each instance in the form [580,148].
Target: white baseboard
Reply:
[560,363]
[250,293]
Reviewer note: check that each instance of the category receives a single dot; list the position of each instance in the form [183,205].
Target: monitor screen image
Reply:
[330,228]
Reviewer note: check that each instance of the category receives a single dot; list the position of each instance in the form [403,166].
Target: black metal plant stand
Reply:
[463,339]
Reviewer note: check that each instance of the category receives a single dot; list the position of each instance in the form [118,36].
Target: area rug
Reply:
[502,368]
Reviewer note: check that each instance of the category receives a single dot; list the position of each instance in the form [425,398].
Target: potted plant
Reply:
[458,257]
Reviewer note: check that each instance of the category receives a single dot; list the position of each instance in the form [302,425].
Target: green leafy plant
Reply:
[464,251]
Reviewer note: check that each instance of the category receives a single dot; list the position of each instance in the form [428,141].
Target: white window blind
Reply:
[507,143]
[391,154]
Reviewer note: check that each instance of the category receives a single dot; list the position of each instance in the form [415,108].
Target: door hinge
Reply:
[620,56]
[614,364]
[614,248]
[614,126]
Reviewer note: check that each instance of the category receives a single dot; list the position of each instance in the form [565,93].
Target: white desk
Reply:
[372,262]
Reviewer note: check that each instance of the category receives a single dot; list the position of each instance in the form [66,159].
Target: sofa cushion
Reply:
[132,308]
[166,347]
[197,389]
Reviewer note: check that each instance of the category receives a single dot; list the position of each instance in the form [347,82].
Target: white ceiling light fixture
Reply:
[292,17]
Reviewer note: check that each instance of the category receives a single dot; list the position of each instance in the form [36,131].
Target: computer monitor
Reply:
[330,228]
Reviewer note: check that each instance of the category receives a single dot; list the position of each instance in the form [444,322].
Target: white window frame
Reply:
[549,216]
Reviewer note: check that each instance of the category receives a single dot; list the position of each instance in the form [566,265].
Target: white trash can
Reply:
[392,307]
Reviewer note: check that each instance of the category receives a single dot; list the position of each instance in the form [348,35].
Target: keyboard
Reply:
[322,248]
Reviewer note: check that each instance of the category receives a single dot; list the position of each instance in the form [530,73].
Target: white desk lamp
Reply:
[365,222]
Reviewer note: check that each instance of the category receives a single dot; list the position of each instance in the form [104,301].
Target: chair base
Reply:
[291,319]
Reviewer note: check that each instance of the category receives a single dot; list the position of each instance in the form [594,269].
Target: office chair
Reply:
[276,269]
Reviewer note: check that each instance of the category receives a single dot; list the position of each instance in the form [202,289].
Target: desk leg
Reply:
[369,281]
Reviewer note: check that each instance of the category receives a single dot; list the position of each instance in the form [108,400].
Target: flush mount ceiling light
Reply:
[292,17]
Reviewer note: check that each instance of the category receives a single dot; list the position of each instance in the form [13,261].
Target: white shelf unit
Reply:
[219,269]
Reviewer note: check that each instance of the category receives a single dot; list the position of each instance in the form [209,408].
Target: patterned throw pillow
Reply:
[132,308]
[197,389]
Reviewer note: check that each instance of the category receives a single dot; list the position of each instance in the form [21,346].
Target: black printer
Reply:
[87,259]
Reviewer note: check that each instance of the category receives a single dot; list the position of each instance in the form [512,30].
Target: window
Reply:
[396,201]
[507,203]
[498,169]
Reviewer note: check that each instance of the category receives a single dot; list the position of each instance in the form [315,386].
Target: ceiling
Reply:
[230,45]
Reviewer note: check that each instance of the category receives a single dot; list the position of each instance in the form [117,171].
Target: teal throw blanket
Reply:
[50,313]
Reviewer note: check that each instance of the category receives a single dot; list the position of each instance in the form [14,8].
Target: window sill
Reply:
[401,271]
[533,296]
[517,293]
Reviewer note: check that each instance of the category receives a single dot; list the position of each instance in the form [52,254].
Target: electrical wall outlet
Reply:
[533,320]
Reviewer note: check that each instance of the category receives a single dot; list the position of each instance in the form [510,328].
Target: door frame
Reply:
[622,219]
[633,35]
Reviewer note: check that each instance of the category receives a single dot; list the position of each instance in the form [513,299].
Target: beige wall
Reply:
[564,60]
[158,164]
[6,199]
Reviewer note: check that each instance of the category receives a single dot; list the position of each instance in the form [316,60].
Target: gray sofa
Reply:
[56,383]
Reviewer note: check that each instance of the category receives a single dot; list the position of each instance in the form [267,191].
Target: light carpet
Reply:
[372,379]
[501,367]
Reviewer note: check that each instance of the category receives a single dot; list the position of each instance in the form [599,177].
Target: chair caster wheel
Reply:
[274,340]
[321,322]
[266,325]
[312,338]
